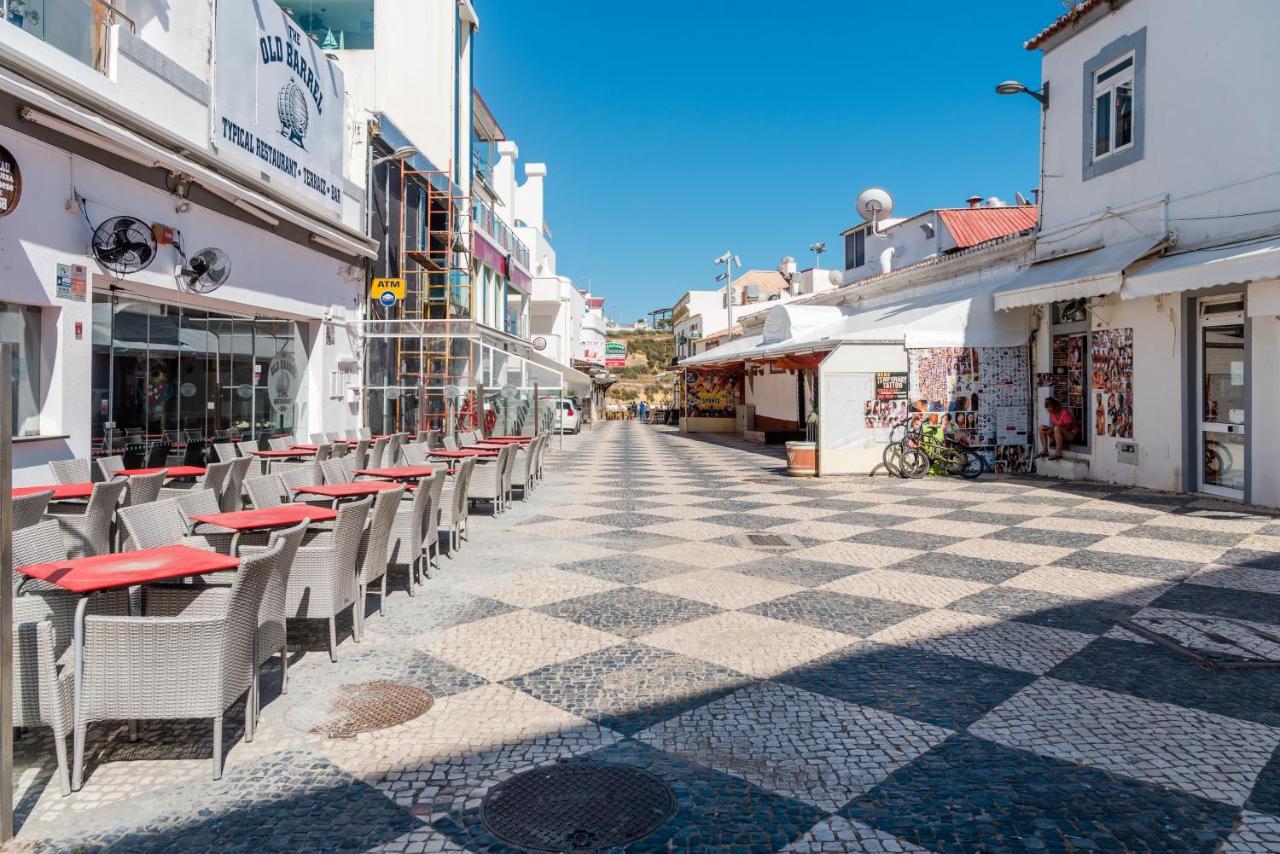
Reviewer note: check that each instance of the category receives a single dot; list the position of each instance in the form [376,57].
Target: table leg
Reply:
[77,770]
[235,544]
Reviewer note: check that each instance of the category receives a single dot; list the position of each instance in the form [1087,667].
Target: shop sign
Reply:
[187,390]
[539,343]
[387,292]
[888,407]
[712,394]
[615,354]
[72,282]
[10,182]
[277,102]
[282,382]
[891,385]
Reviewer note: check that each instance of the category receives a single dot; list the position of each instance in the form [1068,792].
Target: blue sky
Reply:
[673,130]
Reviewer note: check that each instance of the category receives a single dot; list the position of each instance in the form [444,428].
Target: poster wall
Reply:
[277,102]
[712,394]
[979,397]
[1112,383]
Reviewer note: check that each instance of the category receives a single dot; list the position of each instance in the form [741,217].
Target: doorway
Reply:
[1222,405]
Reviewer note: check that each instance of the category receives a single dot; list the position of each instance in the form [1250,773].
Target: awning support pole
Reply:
[6,598]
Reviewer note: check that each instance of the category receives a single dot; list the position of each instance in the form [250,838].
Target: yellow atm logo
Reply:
[386,292]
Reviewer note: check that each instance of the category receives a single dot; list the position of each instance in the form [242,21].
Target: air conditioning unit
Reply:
[751,293]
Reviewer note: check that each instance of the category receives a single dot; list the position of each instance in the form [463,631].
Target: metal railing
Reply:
[491,224]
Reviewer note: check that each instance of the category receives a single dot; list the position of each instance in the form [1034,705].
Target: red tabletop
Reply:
[347,490]
[463,454]
[86,575]
[282,516]
[282,455]
[306,447]
[515,439]
[174,471]
[398,472]
[61,491]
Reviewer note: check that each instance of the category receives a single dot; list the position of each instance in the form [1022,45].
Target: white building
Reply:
[1155,280]
[136,113]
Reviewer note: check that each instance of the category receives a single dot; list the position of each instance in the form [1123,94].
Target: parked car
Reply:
[570,420]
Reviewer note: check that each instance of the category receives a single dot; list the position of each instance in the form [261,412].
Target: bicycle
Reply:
[912,453]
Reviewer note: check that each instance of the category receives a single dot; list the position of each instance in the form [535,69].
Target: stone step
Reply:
[1066,468]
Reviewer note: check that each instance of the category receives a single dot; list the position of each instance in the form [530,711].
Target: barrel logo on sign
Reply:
[387,292]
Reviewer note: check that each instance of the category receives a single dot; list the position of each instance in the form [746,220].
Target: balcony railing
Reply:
[76,27]
[491,224]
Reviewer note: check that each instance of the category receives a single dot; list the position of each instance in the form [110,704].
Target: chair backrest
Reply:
[360,456]
[334,471]
[143,489]
[339,449]
[508,463]
[193,454]
[348,534]
[92,536]
[247,448]
[450,443]
[247,591]
[150,526]
[333,436]
[391,456]
[70,471]
[28,510]
[415,453]
[352,434]
[225,451]
[436,484]
[41,543]
[108,466]
[373,545]
[229,497]
[319,439]
[522,464]
[461,483]
[422,436]
[279,443]
[418,515]
[265,491]
[215,475]
[375,455]
[299,474]
[363,433]
[135,455]
[158,455]
[197,502]
[323,452]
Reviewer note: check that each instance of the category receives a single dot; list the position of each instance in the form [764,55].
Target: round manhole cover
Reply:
[577,807]
[364,707]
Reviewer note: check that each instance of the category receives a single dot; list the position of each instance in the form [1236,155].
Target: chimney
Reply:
[974,201]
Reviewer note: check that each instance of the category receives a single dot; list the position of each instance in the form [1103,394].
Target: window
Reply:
[855,249]
[1113,93]
[334,24]
[20,325]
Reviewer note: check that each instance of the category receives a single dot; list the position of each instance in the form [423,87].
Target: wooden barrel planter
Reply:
[802,459]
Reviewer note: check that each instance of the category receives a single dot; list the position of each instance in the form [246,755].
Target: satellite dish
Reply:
[206,271]
[1020,199]
[835,277]
[124,244]
[874,204]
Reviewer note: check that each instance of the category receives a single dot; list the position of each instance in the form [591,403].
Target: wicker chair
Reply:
[215,476]
[158,455]
[272,635]
[363,433]
[335,471]
[246,449]
[431,535]
[371,563]
[265,491]
[391,457]
[193,453]
[190,655]
[422,436]
[161,523]
[322,583]
[29,510]
[320,439]
[88,534]
[358,457]
[522,470]
[70,471]
[487,481]
[323,452]
[544,441]
[226,451]
[352,434]
[108,466]
[229,498]
[333,437]
[339,449]
[408,544]
[279,443]
[508,472]
[454,502]
[203,502]
[415,454]
[375,454]
[451,443]
[143,489]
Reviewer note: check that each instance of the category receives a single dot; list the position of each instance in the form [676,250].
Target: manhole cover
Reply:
[577,807]
[768,542]
[371,706]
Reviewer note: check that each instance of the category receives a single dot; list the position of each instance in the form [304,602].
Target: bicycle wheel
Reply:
[891,458]
[971,466]
[914,463]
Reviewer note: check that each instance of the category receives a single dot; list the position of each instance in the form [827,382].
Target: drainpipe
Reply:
[886,260]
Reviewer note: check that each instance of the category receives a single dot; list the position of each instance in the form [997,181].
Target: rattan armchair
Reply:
[322,583]
[408,544]
[334,471]
[89,533]
[415,454]
[108,466]
[144,488]
[225,452]
[451,443]
[371,561]
[279,443]
[375,454]
[190,655]
[229,498]
[522,470]
[436,484]
[272,636]
[160,523]
[487,481]
[29,510]
[454,500]
[70,471]
[265,491]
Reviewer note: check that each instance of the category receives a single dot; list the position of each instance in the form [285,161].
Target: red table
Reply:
[291,454]
[266,519]
[173,471]
[398,472]
[306,447]
[511,439]
[107,572]
[339,491]
[462,454]
[61,491]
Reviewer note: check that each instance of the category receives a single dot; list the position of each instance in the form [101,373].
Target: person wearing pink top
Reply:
[1061,427]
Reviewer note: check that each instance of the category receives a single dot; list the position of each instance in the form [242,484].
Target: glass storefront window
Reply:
[20,325]
[170,373]
[334,24]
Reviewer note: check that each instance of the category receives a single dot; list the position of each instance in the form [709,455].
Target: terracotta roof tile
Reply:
[971,226]
[1070,17]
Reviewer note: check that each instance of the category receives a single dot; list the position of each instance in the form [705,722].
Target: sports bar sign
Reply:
[278,102]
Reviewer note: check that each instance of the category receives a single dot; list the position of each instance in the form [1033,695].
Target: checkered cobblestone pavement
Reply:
[923,666]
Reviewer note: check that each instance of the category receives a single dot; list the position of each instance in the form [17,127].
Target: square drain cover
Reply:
[768,542]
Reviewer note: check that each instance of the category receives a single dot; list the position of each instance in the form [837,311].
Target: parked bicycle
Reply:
[913,451]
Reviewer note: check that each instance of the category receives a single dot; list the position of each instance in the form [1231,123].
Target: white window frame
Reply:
[1109,86]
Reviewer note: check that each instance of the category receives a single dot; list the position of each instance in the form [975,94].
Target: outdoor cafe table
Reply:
[171,472]
[61,491]
[463,453]
[265,457]
[86,576]
[265,519]
[339,491]
[398,472]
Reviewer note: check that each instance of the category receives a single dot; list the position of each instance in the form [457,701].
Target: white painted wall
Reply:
[846,381]
[1264,359]
[773,395]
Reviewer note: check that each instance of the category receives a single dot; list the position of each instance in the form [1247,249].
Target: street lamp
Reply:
[817,249]
[1013,87]
[729,260]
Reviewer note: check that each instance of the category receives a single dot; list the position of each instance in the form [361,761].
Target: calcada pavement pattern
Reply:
[923,665]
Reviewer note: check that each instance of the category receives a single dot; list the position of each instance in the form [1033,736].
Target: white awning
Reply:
[1094,273]
[736,350]
[1236,264]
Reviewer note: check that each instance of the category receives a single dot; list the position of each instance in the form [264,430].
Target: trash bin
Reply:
[802,459]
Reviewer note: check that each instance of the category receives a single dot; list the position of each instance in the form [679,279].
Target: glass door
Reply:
[1223,413]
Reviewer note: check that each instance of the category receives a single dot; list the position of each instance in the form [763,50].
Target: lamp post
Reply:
[1041,95]
[728,259]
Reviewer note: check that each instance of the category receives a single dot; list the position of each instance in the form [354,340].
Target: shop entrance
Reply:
[1222,407]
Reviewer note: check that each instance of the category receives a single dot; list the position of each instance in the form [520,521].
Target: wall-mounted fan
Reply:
[124,244]
[205,271]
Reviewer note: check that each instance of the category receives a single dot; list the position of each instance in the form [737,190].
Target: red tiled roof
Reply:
[1076,13]
[971,226]
[595,302]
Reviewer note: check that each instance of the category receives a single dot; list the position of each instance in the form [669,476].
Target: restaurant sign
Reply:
[615,354]
[277,102]
[712,394]
[10,182]
[282,382]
